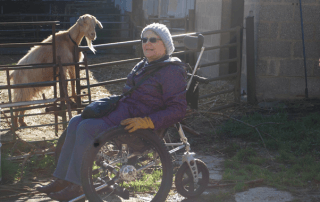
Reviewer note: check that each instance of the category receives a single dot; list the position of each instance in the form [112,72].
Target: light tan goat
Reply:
[65,43]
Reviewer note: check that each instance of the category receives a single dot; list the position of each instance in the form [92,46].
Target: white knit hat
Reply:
[163,32]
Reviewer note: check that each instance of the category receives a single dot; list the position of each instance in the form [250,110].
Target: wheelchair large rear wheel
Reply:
[134,164]
[184,180]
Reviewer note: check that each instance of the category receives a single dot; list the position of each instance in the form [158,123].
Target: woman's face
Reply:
[153,51]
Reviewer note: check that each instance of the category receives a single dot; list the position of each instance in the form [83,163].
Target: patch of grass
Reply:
[55,142]
[291,171]
[2,63]
[42,162]
[244,154]
[241,186]
[257,160]
[295,136]
[296,142]
[297,174]
[231,149]
[219,197]
[9,169]
[148,182]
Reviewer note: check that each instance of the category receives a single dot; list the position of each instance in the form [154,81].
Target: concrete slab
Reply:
[263,194]
[214,164]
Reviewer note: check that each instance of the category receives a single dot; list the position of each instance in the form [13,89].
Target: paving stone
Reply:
[263,194]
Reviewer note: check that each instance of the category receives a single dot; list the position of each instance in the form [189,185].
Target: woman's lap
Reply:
[80,133]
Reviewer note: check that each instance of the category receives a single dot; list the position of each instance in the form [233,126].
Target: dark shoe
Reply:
[54,186]
[70,192]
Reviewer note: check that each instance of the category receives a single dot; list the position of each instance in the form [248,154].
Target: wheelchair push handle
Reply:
[192,42]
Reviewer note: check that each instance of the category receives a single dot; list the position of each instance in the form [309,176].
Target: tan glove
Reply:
[133,124]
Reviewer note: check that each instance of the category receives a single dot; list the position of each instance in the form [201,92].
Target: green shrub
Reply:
[42,162]
[9,169]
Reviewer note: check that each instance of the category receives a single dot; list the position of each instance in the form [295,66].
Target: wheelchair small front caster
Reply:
[184,180]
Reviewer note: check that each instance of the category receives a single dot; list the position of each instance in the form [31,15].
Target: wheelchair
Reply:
[140,164]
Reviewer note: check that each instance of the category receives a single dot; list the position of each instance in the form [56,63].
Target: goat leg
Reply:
[21,119]
[15,120]
[72,74]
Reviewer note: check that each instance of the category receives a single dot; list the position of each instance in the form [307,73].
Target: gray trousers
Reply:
[80,133]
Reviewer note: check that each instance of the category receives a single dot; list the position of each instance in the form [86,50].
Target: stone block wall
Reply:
[280,70]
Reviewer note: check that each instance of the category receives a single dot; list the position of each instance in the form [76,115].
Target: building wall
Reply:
[175,8]
[180,8]
[279,58]
[208,18]
[124,6]
[225,37]
[280,70]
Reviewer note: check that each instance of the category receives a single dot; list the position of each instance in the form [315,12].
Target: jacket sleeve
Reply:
[173,84]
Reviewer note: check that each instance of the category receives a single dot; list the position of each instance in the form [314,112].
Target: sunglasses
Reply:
[151,39]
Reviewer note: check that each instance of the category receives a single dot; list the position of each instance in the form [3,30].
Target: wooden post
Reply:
[191,28]
[192,19]
[251,75]
[162,9]
[237,89]
[62,94]
[88,75]
[14,126]
[64,89]
[78,87]
[236,19]
[54,61]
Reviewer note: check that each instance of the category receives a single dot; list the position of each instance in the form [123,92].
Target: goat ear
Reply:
[99,24]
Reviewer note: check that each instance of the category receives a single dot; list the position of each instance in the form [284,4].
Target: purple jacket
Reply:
[162,96]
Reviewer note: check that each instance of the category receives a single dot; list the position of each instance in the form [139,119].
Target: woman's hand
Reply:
[133,124]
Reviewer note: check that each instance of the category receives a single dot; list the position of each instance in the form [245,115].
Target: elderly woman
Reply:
[159,102]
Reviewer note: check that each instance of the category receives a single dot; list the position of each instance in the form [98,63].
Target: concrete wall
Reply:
[208,18]
[279,55]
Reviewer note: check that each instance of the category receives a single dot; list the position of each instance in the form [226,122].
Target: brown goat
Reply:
[65,43]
